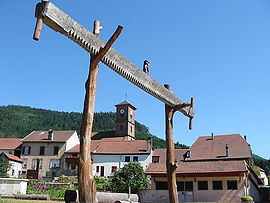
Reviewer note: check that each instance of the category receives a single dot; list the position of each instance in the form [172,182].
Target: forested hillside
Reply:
[261,162]
[19,121]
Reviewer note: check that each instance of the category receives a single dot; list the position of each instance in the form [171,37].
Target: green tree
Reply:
[3,167]
[131,175]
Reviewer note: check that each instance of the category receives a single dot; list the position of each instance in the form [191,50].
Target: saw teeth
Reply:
[113,59]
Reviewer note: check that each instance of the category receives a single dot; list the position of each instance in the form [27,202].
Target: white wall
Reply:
[211,195]
[72,141]
[17,167]
[12,186]
[108,161]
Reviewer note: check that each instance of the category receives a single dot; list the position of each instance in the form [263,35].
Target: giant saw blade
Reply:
[59,21]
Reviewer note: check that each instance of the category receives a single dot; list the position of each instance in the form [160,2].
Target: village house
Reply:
[11,146]
[14,168]
[111,150]
[109,155]
[214,169]
[262,175]
[42,152]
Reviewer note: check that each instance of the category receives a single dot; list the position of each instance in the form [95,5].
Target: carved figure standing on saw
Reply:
[146,66]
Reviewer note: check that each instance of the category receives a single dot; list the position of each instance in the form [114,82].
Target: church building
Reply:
[111,150]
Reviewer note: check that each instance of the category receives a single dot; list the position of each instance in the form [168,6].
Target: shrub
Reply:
[246,198]
[102,183]
[55,191]
[131,175]
[3,167]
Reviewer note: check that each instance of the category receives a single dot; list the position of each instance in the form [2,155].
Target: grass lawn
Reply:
[27,200]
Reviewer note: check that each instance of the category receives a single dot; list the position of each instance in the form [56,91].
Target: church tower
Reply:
[125,120]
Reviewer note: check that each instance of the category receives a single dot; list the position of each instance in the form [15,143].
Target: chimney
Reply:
[245,137]
[50,134]
[212,134]
[226,150]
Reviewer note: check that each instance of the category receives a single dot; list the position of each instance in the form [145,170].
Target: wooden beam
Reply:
[108,45]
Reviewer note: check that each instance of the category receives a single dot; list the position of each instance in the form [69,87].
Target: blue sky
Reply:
[216,51]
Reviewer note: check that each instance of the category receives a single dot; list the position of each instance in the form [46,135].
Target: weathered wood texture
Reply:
[87,186]
[39,23]
[61,22]
[170,153]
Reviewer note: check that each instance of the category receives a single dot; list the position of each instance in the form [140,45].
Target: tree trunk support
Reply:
[170,153]
[87,187]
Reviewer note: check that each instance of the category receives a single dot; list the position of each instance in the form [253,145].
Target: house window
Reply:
[232,185]
[217,185]
[36,163]
[102,171]
[13,172]
[161,185]
[185,186]
[155,159]
[55,163]
[10,152]
[97,169]
[73,166]
[55,150]
[127,158]
[26,150]
[41,150]
[135,159]
[130,128]
[114,168]
[24,165]
[202,185]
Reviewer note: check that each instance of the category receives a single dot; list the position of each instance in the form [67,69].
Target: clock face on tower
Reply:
[122,111]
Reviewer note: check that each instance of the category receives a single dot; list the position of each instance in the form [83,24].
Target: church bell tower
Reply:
[125,120]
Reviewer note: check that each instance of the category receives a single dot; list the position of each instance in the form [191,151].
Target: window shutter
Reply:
[29,150]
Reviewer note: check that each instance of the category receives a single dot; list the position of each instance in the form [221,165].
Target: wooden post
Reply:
[87,187]
[38,26]
[170,153]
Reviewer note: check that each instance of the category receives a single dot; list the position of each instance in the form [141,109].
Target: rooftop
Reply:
[12,157]
[188,167]
[10,143]
[213,147]
[42,136]
[107,146]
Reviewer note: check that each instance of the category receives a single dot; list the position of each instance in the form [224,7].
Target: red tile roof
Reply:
[188,167]
[116,147]
[42,136]
[206,148]
[200,167]
[105,135]
[12,157]
[161,153]
[10,143]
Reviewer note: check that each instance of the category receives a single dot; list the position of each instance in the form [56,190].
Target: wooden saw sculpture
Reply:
[59,21]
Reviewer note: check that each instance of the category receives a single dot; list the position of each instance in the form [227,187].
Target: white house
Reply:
[14,168]
[110,155]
